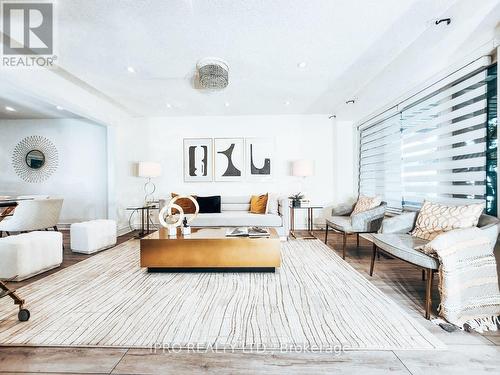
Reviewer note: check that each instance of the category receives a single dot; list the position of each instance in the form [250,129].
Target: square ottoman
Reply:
[91,236]
[26,255]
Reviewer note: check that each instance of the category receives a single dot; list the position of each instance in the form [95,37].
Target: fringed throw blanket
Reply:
[468,281]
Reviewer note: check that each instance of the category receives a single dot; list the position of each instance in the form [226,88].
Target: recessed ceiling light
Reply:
[131,69]
[302,64]
[169,105]
[226,104]
[59,108]
[287,102]
[10,109]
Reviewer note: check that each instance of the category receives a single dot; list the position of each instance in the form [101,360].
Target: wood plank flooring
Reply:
[467,353]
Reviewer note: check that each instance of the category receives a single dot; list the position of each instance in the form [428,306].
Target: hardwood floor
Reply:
[467,353]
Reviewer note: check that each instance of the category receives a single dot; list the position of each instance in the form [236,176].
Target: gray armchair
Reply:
[343,222]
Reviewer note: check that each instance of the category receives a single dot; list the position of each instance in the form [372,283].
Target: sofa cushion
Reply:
[236,219]
[406,247]
[434,218]
[209,205]
[186,204]
[258,204]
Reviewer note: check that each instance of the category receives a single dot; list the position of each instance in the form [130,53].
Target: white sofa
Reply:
[26,255]
[235,213]
[91,236]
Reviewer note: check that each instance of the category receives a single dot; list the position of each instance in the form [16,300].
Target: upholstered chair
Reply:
[343,222]
[33,215]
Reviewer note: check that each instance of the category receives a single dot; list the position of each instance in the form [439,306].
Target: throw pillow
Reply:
[467,237]
[186,204]
[366,203]
[434,219]
[272,204]
[258,204]
[209,205]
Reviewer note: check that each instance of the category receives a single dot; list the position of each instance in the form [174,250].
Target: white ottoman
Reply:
[91,236]
[29,254]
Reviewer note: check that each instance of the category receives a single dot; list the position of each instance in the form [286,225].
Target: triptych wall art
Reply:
[228,159]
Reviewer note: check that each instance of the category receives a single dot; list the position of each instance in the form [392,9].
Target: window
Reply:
[444,144]
[380,161]
[440,144]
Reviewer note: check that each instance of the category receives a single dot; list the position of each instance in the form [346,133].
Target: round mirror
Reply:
[35,159]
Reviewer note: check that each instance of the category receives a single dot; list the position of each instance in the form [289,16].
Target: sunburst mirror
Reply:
[35,159]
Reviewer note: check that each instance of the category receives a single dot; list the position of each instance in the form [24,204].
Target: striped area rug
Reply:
[315,301]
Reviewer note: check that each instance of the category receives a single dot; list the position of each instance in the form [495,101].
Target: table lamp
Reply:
[302,168]
[149,170]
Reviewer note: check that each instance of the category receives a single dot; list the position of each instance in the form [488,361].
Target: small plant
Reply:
[296,199]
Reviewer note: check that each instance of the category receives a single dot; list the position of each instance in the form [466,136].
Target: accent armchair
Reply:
[342,221]
[33,215]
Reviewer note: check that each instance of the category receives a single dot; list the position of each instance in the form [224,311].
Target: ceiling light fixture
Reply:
[10,109]
[130,69]
[59,108]
[302,64]
[169,105]
[226,104]
[213,73]
[287,103]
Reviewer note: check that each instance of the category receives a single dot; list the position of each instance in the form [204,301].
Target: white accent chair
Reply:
[92,236]
[29,254]
[33,215]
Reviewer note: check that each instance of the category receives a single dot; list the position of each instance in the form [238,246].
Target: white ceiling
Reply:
[263,41]
[28,107]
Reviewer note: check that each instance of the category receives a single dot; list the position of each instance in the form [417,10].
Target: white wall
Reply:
[81,177]
[297,137]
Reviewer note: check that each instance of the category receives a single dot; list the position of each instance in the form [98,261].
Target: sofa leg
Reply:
[55,228]
[357,239]
[423,275]
[326,234]
[372,264]
[428,293]
[1,233]
[7,233]
[344,240]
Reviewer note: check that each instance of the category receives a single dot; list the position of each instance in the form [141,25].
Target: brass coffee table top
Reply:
[209,248]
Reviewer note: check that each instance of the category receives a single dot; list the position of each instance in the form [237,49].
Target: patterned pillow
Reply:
[434,219]
[366,203]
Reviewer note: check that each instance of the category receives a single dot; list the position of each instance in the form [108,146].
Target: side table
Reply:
[310,223]
[144,218]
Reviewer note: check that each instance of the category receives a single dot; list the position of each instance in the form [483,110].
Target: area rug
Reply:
[315,301]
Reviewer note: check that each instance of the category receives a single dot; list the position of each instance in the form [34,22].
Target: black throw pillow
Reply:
[209,205]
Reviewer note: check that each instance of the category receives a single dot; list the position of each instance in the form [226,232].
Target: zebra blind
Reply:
[380,161]
[443,144]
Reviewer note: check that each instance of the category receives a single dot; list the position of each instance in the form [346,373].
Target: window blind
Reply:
[380,161]
[443,144]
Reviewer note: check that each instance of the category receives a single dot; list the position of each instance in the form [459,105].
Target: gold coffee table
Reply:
[208,249]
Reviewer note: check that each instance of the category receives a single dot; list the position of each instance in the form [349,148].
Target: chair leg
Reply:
[1,233]
[326,233]
[428,293]
[344,240]
[372,264]
[357,239]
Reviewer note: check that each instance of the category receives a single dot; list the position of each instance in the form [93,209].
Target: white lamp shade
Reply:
[148,169]
[303,168]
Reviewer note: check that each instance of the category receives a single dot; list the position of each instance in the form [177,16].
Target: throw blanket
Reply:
[468,281]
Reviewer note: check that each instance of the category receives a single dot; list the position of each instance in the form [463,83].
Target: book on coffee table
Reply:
[247,232]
